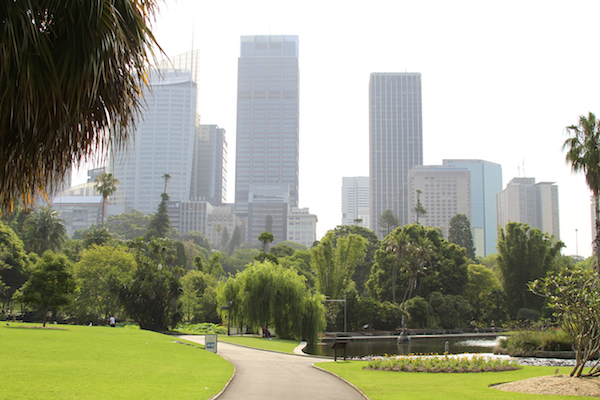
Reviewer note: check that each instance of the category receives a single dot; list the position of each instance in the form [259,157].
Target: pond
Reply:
[379,347]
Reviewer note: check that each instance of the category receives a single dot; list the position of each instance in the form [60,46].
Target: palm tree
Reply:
[397,242]
[106,185]
[96,236]
[421,251]
[44,230]
[166,177]
[71,81]
[583,153]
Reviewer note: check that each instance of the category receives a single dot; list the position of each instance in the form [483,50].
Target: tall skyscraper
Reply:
[267,115]
[163,143]
[535,204]
[486,182]
[209,174]
[355,201]
[395,141]
[267,129]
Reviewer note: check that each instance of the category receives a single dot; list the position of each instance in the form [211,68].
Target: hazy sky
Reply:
[501,81]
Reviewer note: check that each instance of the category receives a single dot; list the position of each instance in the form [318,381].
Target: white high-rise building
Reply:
[395,142]
[355,201]
[163,143]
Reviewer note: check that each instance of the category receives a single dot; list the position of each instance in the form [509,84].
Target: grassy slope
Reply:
[75,362]
[388,385]
[281,345]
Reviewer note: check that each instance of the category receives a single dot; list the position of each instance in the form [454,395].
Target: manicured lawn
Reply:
[81,362]
[389,385]
[258,342]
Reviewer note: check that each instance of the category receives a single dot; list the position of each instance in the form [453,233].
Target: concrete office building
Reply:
[486,183]
[78,212]
[535,204]
[267,119]
[222,217]
[209,172]
[268,210]
[355,201]
[395,142]
[302,226]
[189,216]
[445,192]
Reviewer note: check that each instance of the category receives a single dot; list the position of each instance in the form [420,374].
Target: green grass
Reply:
[258,342]
[389,385]
[81,362]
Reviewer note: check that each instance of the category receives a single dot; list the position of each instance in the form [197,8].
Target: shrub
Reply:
[443,363]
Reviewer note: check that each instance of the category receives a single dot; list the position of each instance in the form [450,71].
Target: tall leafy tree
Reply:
[235,241]
[96,236]
[199,297]
[71,80]
[397,243]
[267,294]
[363,267]
[51,284]
[14,264]
[583,153]
[460,234]
[421,251]
[265,238]
[44,230]
[388,221]
[100,273]
[524,255]
[334,262]
[106,185]
[160,224]
[128,226]
[419,210]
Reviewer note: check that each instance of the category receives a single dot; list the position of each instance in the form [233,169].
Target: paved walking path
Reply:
[266,375]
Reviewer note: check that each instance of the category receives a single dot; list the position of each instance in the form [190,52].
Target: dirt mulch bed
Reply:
[562,385]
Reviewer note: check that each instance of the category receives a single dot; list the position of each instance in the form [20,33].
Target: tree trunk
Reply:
[596,242]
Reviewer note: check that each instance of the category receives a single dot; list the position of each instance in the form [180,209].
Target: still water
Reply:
[371,346]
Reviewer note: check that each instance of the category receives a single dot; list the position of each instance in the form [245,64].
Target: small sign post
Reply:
[210,342]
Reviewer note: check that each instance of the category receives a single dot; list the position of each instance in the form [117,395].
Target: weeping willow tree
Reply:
[267,294]
[71,80]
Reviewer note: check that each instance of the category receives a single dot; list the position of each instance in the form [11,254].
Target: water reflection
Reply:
[371,346]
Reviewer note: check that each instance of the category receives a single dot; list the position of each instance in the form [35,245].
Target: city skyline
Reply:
[489,92]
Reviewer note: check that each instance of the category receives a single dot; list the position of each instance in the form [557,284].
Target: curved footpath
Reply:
[261,374]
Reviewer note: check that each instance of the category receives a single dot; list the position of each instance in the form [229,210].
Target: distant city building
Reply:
[189,216]
[355,201]
[445,192]
[95,172]
[268,208]
[535,204]
[486,183]
[163,141]
[395,142]
[78,212]
[267,123]
[222,217]
[209,172]
[302,226]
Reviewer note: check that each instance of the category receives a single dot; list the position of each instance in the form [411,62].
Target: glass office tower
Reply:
[267,130]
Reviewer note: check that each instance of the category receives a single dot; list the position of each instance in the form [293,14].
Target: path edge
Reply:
[343,380]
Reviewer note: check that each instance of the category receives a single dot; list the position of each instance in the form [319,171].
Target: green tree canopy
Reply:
[524,255]
[160,224]
[460,234]
[479,289]
[71,80]
[363,266]
[419,210]
[44,230]
[334,262]
[265,238]
[447,272]
[14,263]
[199,298]
[128,226]
[100,273]
[51,284]
[96,237]
[388,221]
[266,294]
